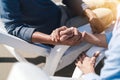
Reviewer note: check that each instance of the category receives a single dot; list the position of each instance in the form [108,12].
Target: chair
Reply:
[28,71]
[77,72]
[59,57]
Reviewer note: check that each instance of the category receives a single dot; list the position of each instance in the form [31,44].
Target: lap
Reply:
[68,19]
[105,15]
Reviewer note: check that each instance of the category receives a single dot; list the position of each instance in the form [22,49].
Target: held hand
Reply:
[86,64]
[66,36]
[62,33]
[73,39]
[55,35]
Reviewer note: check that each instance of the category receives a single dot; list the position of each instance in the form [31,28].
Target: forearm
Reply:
[96,39]
[39,37]
[12,18]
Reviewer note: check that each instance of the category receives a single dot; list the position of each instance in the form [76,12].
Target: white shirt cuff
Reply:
[90,76]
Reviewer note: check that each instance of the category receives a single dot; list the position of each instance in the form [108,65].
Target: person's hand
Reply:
[70,36]
[66,36]
[86,64]
[55,35]
[95,23]
[62,33]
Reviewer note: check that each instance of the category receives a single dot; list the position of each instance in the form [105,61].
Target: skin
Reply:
[71,36]
[96,39]
[58,37]
[75,7]
[87,64]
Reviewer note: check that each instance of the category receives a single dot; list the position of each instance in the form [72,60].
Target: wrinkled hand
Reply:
[74,39]
[86,64]
[55,35]
[66,36]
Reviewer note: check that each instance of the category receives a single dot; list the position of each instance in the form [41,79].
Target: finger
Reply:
[75,38]
[53,36]
[62,28]
[83,56]
[57,32]
[65,37]
[57,35]
[78,64]
[67,31]
[76,31]
[80,34]
[78,57]
[93,59]
[83,34]
[79,61]
[77,35]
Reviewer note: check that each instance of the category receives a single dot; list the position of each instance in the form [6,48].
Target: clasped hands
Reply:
[66,36]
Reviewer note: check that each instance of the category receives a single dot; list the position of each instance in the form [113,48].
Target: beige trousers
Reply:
[104,9]
[110,4]
[105,15]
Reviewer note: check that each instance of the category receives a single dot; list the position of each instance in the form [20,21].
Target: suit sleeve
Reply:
[12,18]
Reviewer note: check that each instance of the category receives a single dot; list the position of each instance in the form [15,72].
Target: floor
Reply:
[7,60]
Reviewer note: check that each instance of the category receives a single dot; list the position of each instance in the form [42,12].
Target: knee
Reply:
[105,15]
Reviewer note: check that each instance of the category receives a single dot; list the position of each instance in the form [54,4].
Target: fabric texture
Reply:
[110,4]
[100,8]
[111,68]
[22,19]
[108,36]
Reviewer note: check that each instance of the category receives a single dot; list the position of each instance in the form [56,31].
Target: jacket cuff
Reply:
[27,34]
